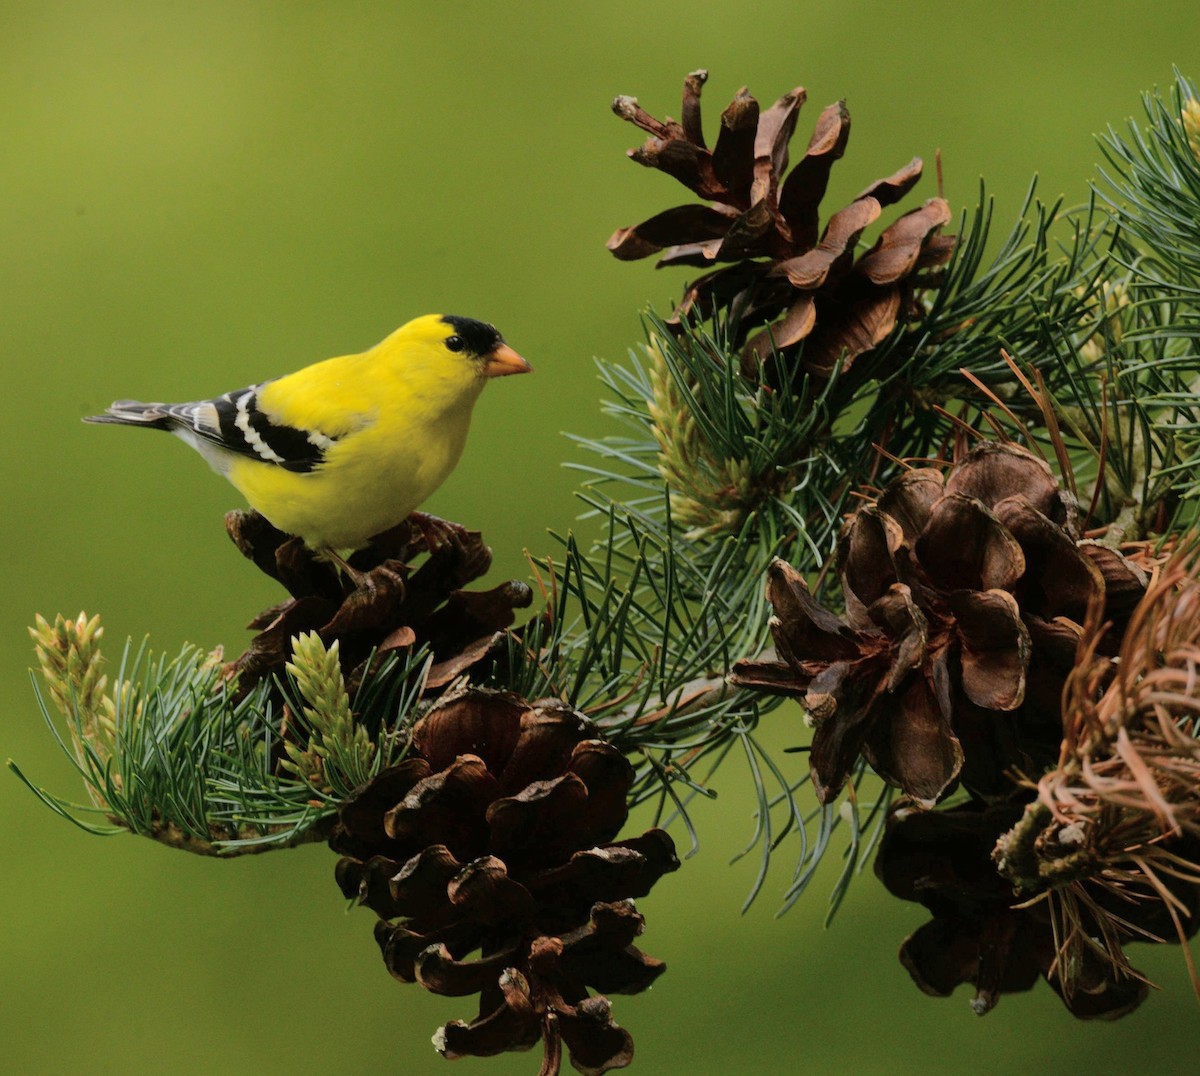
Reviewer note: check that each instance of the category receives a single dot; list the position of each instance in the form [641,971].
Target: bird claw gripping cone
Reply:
[400,603]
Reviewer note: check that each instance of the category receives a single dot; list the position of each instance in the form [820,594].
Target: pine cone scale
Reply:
[776,127]
[485,893]
[898,250]
[733,155]
[439,973]
[443,808]
[419,887]
[802,190]
[843,705]
[964,546]
[690,120]
[916,750]
[995,647]
[891,189]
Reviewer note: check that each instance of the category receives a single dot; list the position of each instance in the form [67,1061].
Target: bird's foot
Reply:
[385,581]
[360,580]
[438,532]
[376,596]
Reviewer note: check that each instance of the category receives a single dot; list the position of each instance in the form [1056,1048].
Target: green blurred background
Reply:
[196,196]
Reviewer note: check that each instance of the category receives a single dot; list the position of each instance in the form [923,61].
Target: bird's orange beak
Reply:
[504,361]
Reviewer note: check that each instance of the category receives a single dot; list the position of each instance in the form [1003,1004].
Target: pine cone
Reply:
[1120,811]
[495,836]
[986,933]
[397,606]
[764,220]
[965,595]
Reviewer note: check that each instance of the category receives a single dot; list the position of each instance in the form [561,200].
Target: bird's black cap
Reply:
[481,338]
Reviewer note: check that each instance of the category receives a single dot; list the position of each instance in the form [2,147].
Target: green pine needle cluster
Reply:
[173,754]
[1190,117]
[337,745]
[724,451]
[68,654]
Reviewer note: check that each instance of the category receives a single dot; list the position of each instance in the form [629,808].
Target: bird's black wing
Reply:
[246,429]
[233,422]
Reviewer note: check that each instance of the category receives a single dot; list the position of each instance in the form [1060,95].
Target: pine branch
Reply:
[720,473]
[172,753]
[943,572]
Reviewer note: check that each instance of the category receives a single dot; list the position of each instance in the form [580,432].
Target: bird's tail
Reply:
[135,413]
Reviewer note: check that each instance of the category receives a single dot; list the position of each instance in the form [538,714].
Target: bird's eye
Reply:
[455,343]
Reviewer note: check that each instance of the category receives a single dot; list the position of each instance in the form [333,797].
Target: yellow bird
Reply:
[345,449]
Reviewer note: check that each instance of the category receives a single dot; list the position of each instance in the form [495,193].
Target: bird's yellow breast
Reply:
[400,434]
[355,495]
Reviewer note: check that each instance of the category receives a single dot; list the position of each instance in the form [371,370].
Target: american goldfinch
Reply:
[345,449]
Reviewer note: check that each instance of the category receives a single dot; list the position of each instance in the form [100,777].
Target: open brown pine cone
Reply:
[1113,835]
[788,282]
[965,595]
[401,604]
[490,856]
[985,932]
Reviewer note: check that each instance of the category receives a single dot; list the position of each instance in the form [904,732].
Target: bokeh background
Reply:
[196,196]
